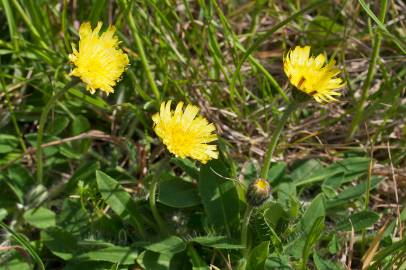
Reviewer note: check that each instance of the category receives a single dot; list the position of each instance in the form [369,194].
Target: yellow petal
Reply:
[99,62]
[311,74]
[184,133]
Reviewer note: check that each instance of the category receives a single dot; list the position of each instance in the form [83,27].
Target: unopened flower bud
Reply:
[258,192]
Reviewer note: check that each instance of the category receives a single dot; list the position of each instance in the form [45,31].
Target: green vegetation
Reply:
[85,183]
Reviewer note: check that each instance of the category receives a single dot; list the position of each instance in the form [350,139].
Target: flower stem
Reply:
[152,204]
[244,227]
[371,71]
[274,140]
[42,120]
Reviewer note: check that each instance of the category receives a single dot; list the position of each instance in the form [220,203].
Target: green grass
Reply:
[104,193]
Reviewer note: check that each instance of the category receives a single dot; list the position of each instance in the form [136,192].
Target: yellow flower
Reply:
[184,134]
[312,75]
[261,185]
[99,62]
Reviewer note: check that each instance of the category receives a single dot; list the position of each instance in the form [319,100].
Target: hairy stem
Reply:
[274,140]
[244,227]
[154,209]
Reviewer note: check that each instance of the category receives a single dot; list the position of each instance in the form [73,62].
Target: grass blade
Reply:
[24,243]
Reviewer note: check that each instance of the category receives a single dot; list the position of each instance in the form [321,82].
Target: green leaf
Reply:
[73,218]
[154,261]
[315,233]
[258,256]
[114,254]
[80,125]
[219,195]
[60,242]
[403,214]
[333,245]
[278,261]
[40,218]
[314,212]
[218,242]
[9,157]
[276,172]
[322,264]
[92,265]
[16,264]
[36,196]
[352,192]
[274,213]
[19,181]
[169,245]
[114,195]
[117,198]
[3,213]
[328,191]
[337,173]
[8,143]
[346,170]
[287,196]
[20,177]
[57,125]
[177,193]
[305,233]
[359,221]
[305,169]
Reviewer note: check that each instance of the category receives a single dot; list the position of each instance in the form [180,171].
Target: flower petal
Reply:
[184,133]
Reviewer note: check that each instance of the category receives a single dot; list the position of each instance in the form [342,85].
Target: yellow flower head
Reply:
[184,134]
[261,185]
[312,75]
[99,62]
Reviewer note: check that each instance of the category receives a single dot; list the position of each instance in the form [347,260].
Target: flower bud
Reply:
[258,192]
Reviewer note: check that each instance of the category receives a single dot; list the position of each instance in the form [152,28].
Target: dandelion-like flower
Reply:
[312,75]
[99,62]
[184,133]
